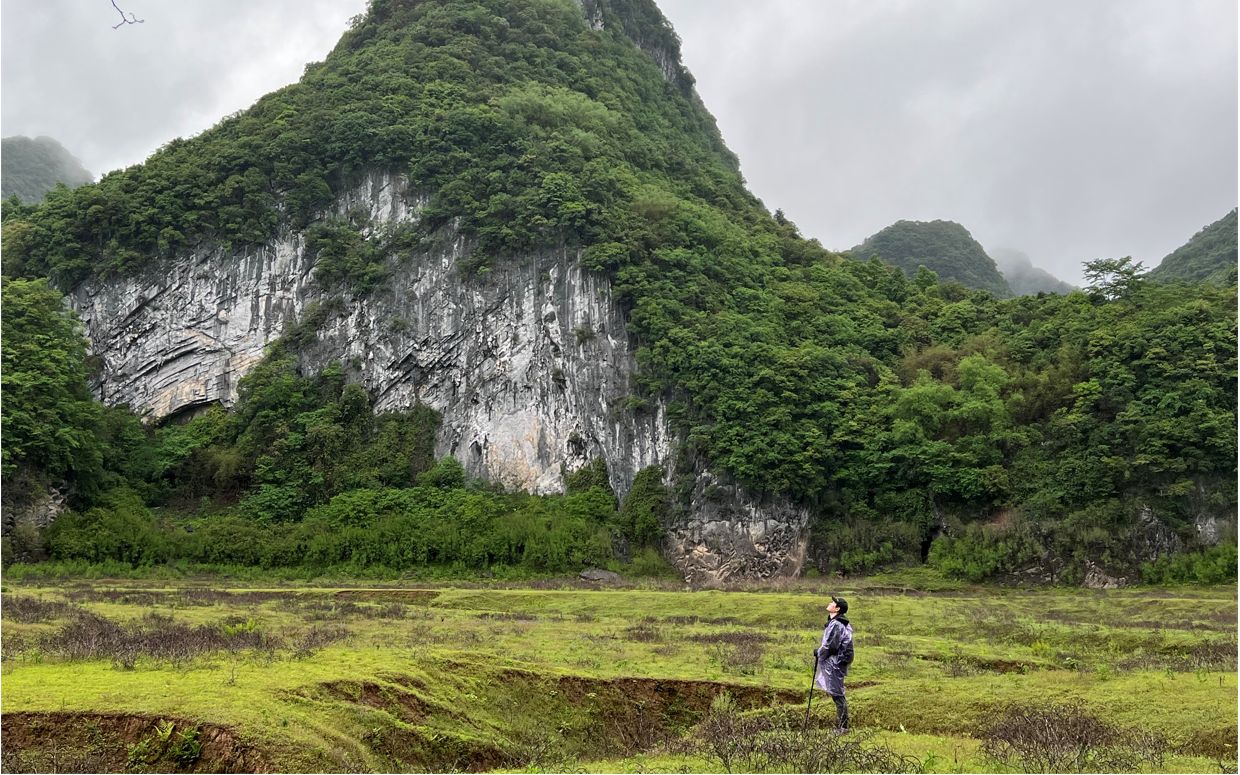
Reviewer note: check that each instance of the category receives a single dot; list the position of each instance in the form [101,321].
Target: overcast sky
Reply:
[1068,130]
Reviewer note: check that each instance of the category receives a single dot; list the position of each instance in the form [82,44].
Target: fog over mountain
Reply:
[33,166]
[1023,277]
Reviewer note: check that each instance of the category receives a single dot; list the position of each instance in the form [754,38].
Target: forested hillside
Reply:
[914,417]
[943,247]
[1209,257]
[32,167]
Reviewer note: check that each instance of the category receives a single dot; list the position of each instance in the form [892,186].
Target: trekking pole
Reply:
[809,698]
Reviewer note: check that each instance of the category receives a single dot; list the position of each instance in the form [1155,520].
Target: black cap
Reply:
[841,603]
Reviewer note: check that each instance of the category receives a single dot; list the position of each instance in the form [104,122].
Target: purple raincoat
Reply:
[834,656]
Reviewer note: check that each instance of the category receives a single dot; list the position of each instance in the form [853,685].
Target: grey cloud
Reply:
[114,96]
[1072,130]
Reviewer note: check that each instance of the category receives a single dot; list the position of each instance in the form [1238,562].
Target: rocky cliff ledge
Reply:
[529,364]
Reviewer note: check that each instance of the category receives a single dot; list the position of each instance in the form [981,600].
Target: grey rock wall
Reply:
[529,364]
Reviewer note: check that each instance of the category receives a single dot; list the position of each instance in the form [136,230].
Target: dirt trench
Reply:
[517,719]
[627,716]
[513,719]
[61,741]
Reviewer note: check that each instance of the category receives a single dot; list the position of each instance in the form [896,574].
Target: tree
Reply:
[1113,278]
[48,415]
[645,509]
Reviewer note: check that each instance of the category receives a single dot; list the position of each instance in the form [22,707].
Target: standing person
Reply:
[833,658]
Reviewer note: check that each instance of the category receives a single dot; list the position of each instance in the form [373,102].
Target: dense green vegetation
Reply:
[944,247]
[303,473]
[32,167]
[896,408]
[54,430]
[1210,256]
[438,524]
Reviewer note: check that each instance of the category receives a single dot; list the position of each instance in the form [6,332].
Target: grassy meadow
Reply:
[197,675]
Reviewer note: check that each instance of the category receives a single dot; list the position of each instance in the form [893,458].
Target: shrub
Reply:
[184,748]
[316,638]
[1067,738]
[650,562]
[982,551]
[644,632]
[645,509]
[1216,565]
[122,530]
[29,610]
[90,636]
[446,474]
[23,543]
[227,540]
[274,503]
[592,475]
[768,742]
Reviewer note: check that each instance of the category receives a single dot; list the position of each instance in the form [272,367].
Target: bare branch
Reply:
[132,19]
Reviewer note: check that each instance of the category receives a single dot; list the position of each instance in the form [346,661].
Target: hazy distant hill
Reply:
[32,167]
[1023,277]
[1210,256]
[944,247]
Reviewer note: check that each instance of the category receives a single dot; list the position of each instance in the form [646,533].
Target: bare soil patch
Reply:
[102,742]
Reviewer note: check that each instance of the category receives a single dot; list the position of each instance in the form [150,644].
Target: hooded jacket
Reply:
[834,655]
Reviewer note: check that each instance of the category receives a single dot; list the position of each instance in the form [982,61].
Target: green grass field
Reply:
[609,680]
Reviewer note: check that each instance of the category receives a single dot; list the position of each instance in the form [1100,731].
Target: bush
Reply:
[90,636]
[983,551]
[274,503]
[227,540]
[645,509]
[121,530]
[23,543]
[592,476]
[381,530]
[866,545]
[1216,565]
[1068,738]
[768,742]
[446,474]
[651,562]
[32,609]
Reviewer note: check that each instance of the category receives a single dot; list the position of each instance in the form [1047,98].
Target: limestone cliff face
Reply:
[529,364]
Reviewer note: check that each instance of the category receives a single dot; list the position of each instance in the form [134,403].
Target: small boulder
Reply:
[598,574]
[1095,578]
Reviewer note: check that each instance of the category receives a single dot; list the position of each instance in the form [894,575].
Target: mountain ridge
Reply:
[1209,256]
[944,247]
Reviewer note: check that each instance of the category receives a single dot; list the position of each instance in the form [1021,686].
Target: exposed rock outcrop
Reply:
[30,499]
[529,364]
[1096,578]
[598,574]
[730,534]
